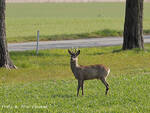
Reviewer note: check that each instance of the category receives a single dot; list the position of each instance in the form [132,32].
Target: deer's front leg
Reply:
[79,85]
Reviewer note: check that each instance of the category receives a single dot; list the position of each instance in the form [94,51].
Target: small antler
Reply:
[70,52]
[73,50]
[76,50]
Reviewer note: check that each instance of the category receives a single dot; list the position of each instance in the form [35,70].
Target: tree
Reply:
[5,60]
[133,26]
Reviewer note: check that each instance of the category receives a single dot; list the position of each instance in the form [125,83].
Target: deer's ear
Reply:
[69,52]
[78,52]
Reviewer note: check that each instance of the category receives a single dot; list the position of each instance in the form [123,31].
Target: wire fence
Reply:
[40,1]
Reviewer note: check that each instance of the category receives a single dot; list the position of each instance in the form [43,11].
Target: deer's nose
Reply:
[73,59]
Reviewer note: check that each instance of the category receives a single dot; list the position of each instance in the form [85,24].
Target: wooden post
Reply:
[37,45]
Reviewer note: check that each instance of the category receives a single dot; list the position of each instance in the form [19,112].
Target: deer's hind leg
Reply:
[79,85]
[82,87]
[106,85]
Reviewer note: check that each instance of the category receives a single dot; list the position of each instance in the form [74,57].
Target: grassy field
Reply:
[67,20]
[45,83]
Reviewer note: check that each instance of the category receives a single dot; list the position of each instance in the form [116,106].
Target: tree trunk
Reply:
[133,26]
[5,60]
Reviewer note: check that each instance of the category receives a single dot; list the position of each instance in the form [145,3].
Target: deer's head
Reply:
[74,54]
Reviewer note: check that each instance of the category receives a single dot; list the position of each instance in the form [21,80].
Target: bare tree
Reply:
[133,26]
[5,60]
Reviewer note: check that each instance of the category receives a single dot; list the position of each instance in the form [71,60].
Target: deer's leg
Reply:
[79,85]
[106,85]
[82,87]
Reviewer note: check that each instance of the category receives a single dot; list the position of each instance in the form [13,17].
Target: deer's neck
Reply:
[74,67]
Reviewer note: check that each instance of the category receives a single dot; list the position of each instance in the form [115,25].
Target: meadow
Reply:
[45,83]
[67,20]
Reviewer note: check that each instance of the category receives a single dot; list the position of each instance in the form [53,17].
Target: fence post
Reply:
[37,45]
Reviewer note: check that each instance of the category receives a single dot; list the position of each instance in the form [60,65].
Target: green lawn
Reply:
[67,20]
[46,81]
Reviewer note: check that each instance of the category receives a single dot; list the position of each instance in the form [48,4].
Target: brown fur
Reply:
[92,72]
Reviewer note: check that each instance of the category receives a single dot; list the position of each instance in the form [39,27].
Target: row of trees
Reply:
[133,30]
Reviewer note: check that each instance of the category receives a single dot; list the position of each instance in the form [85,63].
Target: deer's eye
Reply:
[73,56]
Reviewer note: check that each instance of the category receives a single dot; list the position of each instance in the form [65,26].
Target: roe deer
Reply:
[82,73]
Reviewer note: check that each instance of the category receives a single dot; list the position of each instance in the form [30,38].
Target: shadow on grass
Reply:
[98,53]
[96,34]
[63,96]
[33,53]
[117,51]
[136,50]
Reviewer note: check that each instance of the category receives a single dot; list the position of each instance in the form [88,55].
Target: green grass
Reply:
[67,20]
[127,94]
[46,80]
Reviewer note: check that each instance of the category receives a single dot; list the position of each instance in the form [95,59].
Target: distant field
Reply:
[67,20]
[47,81]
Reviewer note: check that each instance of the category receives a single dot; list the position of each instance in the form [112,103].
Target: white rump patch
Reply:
[108,72]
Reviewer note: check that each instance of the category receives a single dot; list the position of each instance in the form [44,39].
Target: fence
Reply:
[13,1]
[40,1]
